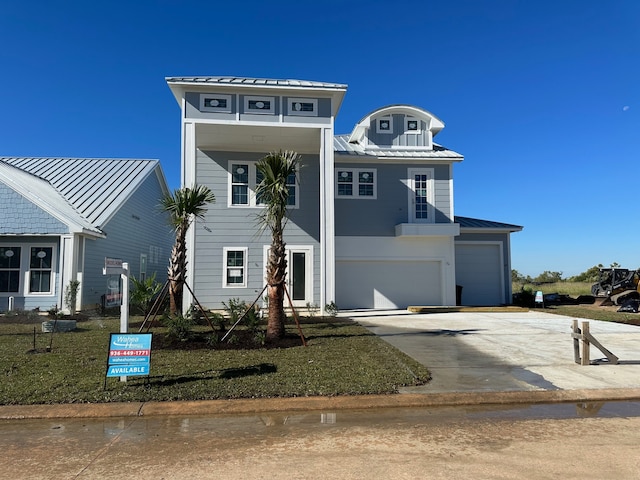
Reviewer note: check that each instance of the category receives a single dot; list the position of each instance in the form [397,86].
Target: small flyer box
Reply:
[129,355]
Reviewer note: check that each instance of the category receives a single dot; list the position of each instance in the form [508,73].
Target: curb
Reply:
[296,404]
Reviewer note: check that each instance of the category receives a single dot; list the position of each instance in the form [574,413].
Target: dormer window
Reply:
[260,105]
[303,107]
[411,125]
[215,103]
[384,125]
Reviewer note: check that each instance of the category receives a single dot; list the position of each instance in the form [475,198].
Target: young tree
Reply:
[183,206]
[275,169]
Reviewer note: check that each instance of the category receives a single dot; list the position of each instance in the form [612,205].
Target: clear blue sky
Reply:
[541,97]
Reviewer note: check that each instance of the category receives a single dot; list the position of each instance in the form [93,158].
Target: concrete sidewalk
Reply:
[503,352]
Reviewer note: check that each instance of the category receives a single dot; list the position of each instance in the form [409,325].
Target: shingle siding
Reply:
[18,216]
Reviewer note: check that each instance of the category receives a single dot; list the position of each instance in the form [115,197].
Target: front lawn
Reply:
[342,358]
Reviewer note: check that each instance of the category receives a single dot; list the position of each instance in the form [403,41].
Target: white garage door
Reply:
[387,284]
[479,272]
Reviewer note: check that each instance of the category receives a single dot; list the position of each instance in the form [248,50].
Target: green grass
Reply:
[573,289]
[607,314]
[342,358]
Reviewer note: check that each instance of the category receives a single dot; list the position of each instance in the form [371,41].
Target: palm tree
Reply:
[183,206]
[273,191]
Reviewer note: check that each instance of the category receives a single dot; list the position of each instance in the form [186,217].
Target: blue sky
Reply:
[541,97]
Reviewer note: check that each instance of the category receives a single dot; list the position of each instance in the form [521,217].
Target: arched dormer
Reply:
[397,126]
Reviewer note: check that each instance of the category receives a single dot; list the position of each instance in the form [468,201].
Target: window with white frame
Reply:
[235,267]
[40,270]
[411,125]
[384,124]
[303,107]
[10,269]
[356,183]
[260,105]
[215,102]
[243,180]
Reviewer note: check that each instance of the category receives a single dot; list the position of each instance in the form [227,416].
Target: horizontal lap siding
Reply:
[137,228]
[225,226]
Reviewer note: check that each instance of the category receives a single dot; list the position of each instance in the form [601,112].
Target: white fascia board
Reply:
[371,159]
[489,230]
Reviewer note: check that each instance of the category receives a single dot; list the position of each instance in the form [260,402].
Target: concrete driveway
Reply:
[506,351]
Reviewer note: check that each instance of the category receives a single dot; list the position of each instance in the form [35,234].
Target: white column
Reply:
[189,180]
[327,219]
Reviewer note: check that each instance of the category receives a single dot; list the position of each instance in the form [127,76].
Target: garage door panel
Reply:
[479,272]
[387,284]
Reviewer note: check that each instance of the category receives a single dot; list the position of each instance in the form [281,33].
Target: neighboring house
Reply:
[61,217]
[372,221]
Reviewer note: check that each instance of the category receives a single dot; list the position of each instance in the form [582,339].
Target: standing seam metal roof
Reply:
[342,146]
[267,82]
[94,187]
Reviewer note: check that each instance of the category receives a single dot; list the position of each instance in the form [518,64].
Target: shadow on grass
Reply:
[228,373]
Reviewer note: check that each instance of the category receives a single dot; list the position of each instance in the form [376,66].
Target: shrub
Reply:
[144,293]
[179,326]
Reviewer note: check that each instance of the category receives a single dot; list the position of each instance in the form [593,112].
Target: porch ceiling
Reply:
[257,138]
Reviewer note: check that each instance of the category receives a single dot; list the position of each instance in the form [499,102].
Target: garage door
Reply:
[387,284]
[479,272]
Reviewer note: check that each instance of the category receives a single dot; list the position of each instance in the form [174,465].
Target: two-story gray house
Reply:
[372,221]
[61,217]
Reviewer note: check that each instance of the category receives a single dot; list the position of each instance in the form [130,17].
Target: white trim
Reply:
[27,271]
[388,118]
[411,172]
[408,119]
[251,186]
[213,99]
[292,104]
[327,218]
[355,183]
[258,101]
[244,269]
[308,271]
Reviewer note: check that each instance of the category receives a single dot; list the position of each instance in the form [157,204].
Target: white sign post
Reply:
[115,266]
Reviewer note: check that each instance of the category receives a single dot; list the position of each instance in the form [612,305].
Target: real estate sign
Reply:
[129,354]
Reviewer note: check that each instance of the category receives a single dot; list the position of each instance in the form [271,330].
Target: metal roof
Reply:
[342,146]
[476,223]
[91,189]
[267,82]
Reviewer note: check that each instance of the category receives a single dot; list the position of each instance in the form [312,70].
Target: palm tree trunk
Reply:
[276,275]
[176,272]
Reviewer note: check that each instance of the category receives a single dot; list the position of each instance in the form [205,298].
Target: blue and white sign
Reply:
[129,354]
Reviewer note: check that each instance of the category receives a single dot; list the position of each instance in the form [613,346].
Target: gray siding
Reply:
[364,217]
[192,110]
[19,216]
[398,138]
[137,228]
[237,227]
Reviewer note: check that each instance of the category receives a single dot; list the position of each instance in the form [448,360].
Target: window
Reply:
[210,102]
[356,183]
[384,125]
[40,270]
[411,125]
[421,195]
[235,267]
[9,269]
[261,105]
[303,107]
[143,267]
[244,179]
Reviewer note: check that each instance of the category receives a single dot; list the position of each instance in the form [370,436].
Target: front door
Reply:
[299,274]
